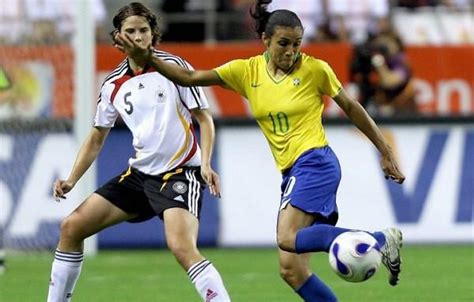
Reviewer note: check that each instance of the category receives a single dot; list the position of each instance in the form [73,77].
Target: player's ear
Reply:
[266,40]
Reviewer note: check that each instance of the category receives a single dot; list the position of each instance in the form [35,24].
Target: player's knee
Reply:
[183,251]
[70,229]
[286,241]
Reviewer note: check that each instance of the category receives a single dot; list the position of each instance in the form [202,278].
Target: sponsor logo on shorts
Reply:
[179,198]
[180,187]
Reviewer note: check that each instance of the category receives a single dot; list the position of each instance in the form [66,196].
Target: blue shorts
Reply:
[311,184]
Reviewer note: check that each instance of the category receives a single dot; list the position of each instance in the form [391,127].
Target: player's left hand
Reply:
[212,180]
[390,168]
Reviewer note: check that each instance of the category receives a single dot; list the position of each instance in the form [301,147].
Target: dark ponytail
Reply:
[261,15]
[266,21]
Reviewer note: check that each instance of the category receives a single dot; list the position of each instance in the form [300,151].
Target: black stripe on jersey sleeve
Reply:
[117,71]
[112,76]
[180,62]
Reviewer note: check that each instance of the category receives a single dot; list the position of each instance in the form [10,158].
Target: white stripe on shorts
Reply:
[194,192]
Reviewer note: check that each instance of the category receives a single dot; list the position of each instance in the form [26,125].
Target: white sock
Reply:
[208,282]
[64,274]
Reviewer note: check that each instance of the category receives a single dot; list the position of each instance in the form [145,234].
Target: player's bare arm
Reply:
[85,157]
[175,73]
[366,124]
[206,124]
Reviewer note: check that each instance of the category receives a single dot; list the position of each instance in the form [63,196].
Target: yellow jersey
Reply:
[288,110]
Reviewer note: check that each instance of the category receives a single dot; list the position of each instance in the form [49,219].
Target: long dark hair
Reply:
[266,21]
[137,9]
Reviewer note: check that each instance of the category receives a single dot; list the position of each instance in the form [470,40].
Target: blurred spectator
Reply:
[356,20]
[415,3]
[180,31]
[12,25]
[191,27]
[458,5]
[336,20]
[52,21]
[383,77]
[42,21]
[311,13]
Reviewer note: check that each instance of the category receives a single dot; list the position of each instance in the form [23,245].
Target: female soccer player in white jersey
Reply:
[284,88]
[166,176]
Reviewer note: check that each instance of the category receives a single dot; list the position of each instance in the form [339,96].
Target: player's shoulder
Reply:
[251,62]
[256,60]
[171,58]
[116,73]
[314,62]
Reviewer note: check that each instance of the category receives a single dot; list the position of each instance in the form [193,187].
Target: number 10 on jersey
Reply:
[279,122]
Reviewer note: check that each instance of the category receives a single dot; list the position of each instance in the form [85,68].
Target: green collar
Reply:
[266,56]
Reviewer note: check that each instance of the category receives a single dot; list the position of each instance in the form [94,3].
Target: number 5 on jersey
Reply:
[129,108]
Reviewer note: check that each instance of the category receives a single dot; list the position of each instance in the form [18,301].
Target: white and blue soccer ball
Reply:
[355,256]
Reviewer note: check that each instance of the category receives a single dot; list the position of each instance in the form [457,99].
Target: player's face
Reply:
[138,29]
[284,46]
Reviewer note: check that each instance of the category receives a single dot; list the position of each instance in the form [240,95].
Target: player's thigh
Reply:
[290,220]
[181,228]
[93,215]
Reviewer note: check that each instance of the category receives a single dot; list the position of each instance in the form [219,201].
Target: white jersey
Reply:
[157,112]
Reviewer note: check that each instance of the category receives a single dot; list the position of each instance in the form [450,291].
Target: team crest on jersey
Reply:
[296,82]
[180,187]
[160,95]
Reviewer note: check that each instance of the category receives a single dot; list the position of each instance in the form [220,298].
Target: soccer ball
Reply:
[355,256]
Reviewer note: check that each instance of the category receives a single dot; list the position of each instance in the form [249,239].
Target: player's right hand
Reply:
[212,179]
[61,188]
[390,168]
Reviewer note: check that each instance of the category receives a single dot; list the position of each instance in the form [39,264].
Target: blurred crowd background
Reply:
[377,33]
[354,21]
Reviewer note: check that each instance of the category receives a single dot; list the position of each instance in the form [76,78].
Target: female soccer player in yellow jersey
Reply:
[285,88]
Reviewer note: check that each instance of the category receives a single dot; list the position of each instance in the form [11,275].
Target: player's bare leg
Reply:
[290,221]
[295,268]
[93,215]
[181,229]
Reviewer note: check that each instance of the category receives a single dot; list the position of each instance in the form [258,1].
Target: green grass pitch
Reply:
[430,273]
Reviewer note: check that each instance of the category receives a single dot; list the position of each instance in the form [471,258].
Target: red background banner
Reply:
[444,75]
